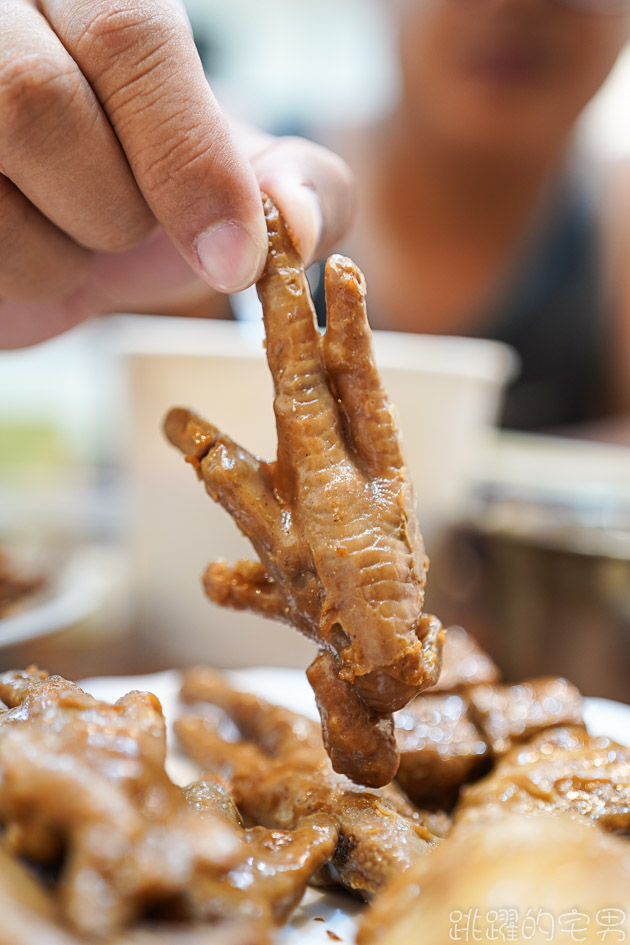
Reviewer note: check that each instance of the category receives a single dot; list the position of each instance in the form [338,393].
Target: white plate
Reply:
[288,687]
[74,593]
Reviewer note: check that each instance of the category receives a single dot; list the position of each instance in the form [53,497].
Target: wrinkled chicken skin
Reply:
[559,770]
[332,519]
[269,881]
[281,776]
[87,779]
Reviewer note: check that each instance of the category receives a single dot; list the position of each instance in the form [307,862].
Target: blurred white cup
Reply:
[448,392]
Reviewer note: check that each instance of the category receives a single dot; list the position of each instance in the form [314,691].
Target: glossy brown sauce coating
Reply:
[440,747]
[84,791]
[561,770]
[512,714]
[269,880]
[447,740]
[530,827]
[281,776]
[464,663]
[87,779]
[31,916]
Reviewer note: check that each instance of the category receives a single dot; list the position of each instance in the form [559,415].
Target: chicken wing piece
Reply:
[84,781]
[520,878]
[440,747]
[281,777]
[332,519]
[561,769]
[511,714]
[269,881]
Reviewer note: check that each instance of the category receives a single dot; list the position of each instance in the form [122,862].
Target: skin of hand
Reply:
[122,184]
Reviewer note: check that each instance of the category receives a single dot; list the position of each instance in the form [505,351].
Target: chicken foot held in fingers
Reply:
[332,519]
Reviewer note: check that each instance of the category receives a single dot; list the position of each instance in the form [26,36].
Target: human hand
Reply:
[121,182]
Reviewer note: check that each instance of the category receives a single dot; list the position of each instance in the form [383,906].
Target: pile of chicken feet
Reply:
[97,840]
[98,844]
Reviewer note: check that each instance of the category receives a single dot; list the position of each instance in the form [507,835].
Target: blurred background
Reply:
[105,529]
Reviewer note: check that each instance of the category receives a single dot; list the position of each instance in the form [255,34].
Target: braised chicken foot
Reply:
[270,879]
[83,785]
[85,780]
[517,876]
[332,519]
[281,777]
[447,740]
[31,916]
[559,770]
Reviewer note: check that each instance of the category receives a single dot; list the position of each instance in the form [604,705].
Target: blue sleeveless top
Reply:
[554,314]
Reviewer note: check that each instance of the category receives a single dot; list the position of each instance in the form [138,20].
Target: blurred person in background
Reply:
[481,214]
[477,215]
[123,187]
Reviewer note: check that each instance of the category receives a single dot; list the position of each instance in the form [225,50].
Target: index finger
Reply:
[141,61]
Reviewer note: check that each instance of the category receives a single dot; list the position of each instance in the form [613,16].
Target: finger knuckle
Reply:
[180,160]
[119,31]
[34,92]
[10,235]
[131,231]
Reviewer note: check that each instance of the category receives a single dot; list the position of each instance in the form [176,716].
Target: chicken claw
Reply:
[83,783]
[333,519]
[282,779]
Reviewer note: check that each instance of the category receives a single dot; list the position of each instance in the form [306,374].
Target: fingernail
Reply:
[312,210]
[229,256]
